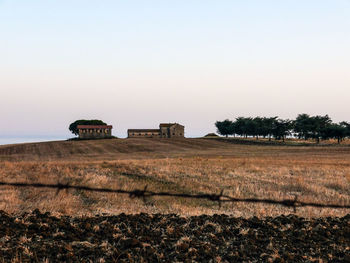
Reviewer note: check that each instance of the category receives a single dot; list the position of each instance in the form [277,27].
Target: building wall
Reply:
[174,131]
[177,131]
[164,132]
[138,134]
[95,133]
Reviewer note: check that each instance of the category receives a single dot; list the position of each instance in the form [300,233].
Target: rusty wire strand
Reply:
[144,193]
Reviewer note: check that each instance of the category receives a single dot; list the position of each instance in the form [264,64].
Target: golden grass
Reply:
[315,174]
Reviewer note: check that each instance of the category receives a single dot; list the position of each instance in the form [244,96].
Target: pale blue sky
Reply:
[137,63]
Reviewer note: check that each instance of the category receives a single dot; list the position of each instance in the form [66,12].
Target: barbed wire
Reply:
[144,194]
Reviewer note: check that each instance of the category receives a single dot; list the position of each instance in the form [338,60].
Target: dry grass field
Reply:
[314,173]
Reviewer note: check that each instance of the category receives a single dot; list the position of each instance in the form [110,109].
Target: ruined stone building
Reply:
[166,130]
[94,131]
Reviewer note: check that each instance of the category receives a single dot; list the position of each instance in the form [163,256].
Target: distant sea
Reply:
[13,140]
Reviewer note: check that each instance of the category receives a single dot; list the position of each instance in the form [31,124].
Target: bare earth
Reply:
[313,173]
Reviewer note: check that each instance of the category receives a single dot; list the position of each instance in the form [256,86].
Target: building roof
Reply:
[169,124]
[166,124]
[143,130]
[94,126]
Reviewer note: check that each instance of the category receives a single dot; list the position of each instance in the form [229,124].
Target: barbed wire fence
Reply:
[144,194]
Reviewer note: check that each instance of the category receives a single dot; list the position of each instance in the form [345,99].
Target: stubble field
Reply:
[191,166]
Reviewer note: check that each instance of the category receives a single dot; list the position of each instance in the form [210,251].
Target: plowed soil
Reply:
[37,237]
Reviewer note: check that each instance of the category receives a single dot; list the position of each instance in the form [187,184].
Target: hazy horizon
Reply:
[135,64]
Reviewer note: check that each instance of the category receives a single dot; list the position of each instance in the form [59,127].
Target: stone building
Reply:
[166,130]
[95,131]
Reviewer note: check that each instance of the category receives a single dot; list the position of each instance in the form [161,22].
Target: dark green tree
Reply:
[307,126]
[258,127]
[335,131]
[303,126]
[73,126]
[281,128]
[268,125]
[245,127]
[251,127]
[346,125]
[225,127]
[240,127]
[320,124]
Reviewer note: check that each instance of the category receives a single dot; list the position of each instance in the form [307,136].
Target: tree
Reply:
[320,124]
[281,128]
[268,124]
[346,125]
[73,126]
[250,127]
[258,127]
[245,127]
[225,127]
[336,131]
[311,126]
[303,126]
[240,128]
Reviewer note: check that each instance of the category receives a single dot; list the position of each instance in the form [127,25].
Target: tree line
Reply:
[303,127]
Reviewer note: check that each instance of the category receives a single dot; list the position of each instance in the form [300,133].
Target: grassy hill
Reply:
[108,149]
[143,148]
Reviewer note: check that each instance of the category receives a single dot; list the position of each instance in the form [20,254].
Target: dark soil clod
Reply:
[40,237]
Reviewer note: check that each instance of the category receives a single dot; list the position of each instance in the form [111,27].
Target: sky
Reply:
[134,64]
